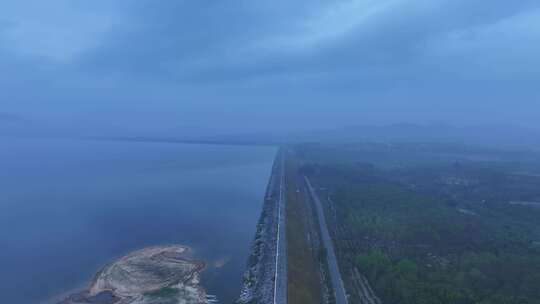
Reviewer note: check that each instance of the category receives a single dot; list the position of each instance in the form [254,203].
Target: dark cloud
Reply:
[227,65]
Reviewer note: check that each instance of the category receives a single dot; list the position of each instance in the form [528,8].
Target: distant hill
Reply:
[502,136]
[494,136]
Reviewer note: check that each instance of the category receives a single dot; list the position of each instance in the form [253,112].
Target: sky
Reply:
[213,67]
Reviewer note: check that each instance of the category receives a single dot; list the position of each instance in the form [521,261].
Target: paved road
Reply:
[280,282]
[335,275]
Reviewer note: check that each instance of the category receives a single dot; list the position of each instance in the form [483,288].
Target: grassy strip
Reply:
[303,277]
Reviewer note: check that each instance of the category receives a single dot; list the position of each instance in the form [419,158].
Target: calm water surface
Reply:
[68,207]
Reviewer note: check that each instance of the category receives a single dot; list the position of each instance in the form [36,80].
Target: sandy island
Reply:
[153,275]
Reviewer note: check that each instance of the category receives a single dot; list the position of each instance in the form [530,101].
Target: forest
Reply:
[438,225]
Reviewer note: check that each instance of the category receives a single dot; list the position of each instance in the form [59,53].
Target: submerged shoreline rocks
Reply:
[153,275]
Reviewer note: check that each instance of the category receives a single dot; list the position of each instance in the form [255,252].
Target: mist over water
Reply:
[68,207]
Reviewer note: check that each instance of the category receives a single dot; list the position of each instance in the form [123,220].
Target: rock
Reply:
[154,275]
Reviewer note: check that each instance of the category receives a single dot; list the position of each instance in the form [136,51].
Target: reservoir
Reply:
[69,207]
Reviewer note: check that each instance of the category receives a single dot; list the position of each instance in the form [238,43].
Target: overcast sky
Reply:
[251,65]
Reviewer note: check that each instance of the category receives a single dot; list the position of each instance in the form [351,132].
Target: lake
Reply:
[68,207]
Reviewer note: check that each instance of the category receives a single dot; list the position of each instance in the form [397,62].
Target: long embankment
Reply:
[306,271]
[265,280]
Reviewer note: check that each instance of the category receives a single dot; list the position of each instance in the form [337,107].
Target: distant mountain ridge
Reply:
[491,136]
[494,136]
[503,136]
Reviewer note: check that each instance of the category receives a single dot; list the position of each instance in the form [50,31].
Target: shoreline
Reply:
[161,271]
[258,280]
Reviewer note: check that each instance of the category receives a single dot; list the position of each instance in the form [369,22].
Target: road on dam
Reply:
[335,275]
[280,281]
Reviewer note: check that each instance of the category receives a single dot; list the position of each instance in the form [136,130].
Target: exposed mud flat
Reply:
[153,275]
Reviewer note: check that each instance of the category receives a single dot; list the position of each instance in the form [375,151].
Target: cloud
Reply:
[56,30]
[449,60]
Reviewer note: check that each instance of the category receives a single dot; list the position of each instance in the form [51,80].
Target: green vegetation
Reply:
[303,264]
[434,232]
